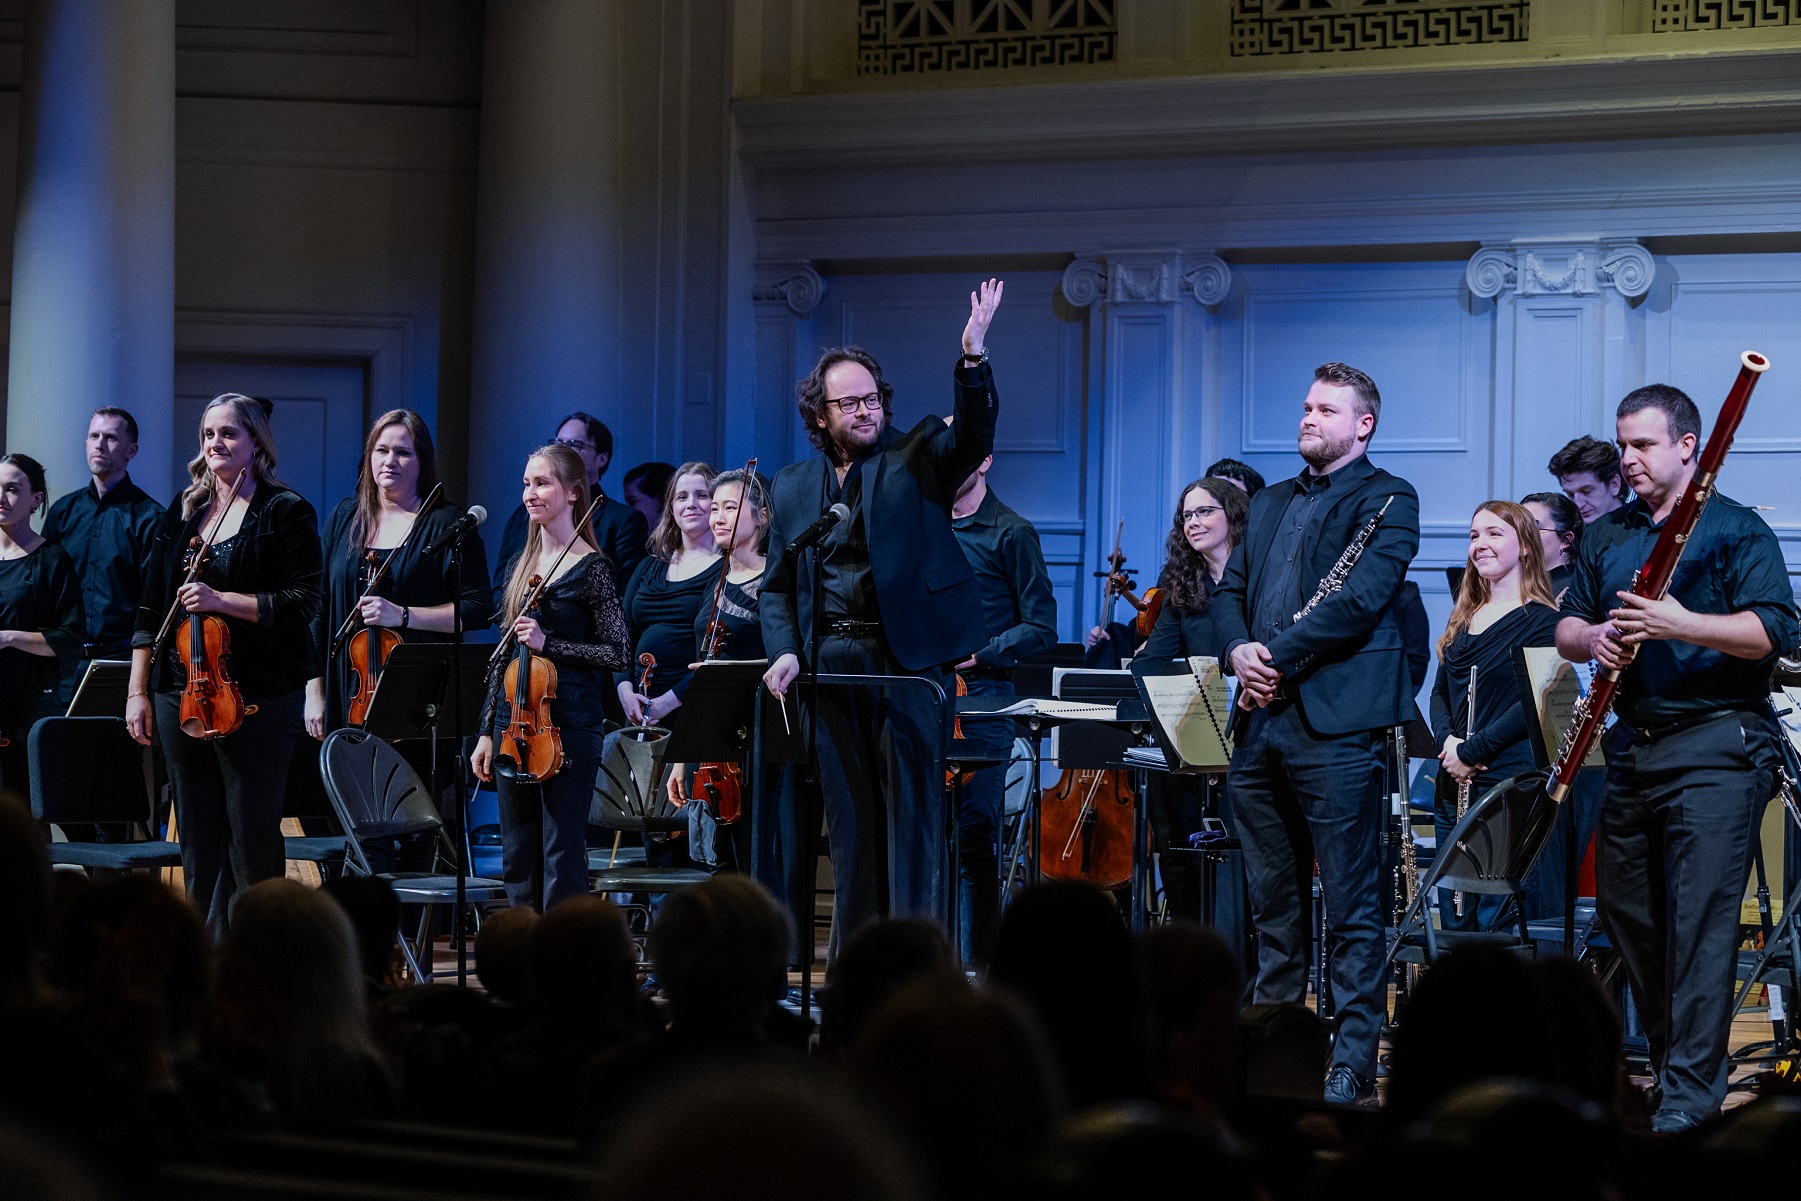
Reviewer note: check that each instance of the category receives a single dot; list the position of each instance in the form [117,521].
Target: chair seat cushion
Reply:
[117,856]
[316,850]
[424,884]
[602,859]
[646,879]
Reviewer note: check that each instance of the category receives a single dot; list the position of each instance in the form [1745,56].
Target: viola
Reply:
[369,651]
[531,741]
[370,646]
[1085,828]
[1119,584]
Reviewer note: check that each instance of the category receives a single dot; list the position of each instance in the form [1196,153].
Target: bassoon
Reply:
[1653,579]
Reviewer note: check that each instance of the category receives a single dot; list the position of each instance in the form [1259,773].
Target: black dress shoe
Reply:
[1346,1087]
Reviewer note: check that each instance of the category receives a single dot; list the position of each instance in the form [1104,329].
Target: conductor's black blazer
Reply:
[1350,655]
[931,610]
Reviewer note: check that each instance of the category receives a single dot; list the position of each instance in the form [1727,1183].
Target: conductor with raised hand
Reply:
[897,597]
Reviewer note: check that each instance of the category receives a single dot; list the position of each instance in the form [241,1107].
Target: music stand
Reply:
[715,717]
[101,692]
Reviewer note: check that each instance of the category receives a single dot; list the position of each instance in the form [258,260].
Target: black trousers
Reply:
[883,799]
[980,813]
[1297,796]
[228,798]
[544,826]
[1676,831]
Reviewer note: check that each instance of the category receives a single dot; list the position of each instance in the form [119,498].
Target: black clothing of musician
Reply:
[108,537]
[897,566]
[544,825]
[1498,738]
[1304,776]
[1019,614]
[1691,764]
[661,615]
[619,529]
[39,593]
[412,581]
[229,791]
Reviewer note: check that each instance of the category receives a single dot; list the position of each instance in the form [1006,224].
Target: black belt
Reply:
[987,673]
[846,628]
[1660,732]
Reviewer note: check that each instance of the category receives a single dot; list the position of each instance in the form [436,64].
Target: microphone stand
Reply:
[459,925]
[816,795]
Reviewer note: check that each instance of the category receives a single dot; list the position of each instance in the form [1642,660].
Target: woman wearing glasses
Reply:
[1559,533]
[667,592]
[1208,523]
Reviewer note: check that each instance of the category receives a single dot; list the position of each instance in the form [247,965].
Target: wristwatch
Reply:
[406,616]
[974,360]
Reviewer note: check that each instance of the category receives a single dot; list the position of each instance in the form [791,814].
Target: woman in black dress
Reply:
[1208,523]
[262,577]
[1559,533]
[579,627]
[41,622]
[1503,602]
[418,597]
[666,593]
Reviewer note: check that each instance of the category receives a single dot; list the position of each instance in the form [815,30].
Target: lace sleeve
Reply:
[608,647]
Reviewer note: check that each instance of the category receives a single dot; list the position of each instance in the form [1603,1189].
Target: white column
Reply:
[93,287]
[1562,308]
[547,284]
[1150,420]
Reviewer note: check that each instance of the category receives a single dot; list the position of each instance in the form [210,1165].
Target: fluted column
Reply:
[93,287]
[547,284]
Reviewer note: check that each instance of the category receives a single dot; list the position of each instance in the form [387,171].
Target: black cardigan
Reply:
[412,581]
[276,558]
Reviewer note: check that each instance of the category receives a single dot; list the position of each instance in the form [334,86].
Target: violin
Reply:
[531,741]
[530,748]
[212,706]
[720,784]
[1085,828]
[370,645]
[1119,584]
[950,777]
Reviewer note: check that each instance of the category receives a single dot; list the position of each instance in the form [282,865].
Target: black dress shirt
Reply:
[619,530]
[660,614]
[845,576]
[38,594]
[584,635]
[1498,739]
[274,557]
[1281,597]
[1731,563]
[108,538]
[1018,609]
[1184,633]
[412,581]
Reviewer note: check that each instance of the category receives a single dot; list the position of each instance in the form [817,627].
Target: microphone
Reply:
[819,529]
[461,526]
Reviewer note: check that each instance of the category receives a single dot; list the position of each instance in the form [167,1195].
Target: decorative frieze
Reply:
[913,37]
[795,285]
[1262,27]
[1683,16]
[1561,268]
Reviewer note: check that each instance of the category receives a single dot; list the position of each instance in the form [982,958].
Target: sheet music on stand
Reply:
[1191,700]
[1551,685]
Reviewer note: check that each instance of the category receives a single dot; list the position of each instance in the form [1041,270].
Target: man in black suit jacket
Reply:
[1321,689]
[897,597]
[620,529]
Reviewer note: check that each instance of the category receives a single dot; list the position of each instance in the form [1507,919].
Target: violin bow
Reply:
[381,573]
[194,567]
[505,647]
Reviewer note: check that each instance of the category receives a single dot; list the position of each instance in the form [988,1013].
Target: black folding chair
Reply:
[88,770]
[377,796]
[629,798]
[1487,853]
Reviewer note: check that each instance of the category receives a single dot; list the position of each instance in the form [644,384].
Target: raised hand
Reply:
[982,304]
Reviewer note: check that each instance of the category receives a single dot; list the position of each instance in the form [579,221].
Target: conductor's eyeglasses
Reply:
[849,405]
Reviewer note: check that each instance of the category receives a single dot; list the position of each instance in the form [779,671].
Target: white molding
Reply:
[382,344]
[1282,111]
[1665,328]
[1561,267]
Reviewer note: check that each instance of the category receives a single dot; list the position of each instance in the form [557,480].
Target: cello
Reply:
[212,706]
[1119,584]
[531,748]
[1085,828]
[370,645]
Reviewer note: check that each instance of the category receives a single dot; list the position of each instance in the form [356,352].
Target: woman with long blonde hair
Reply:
[262,577]
[666,593]
[1504,601]
[578,626]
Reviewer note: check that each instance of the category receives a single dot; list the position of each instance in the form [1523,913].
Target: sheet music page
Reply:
[1557,700]
[1193,718]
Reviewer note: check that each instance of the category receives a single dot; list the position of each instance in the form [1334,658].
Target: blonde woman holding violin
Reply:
[578,626]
